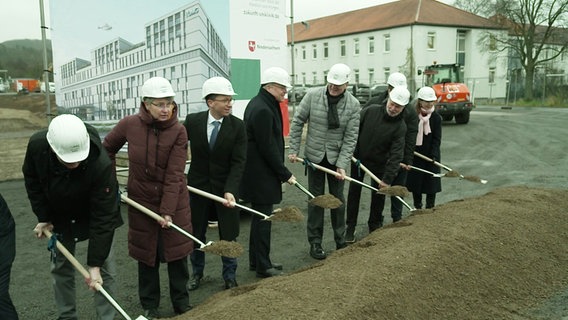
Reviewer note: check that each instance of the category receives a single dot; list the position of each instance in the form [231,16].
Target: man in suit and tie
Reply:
[218,155]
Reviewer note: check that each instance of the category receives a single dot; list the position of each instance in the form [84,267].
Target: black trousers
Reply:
[7,255]
[259,241]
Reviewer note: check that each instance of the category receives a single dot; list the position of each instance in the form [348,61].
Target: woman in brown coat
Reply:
[157,152]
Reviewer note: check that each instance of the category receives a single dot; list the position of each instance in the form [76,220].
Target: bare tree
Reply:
[484,8]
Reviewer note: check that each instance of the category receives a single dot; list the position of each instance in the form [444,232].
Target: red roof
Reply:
[386,16]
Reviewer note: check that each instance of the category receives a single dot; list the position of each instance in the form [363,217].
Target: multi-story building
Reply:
[402,36]
[181,46]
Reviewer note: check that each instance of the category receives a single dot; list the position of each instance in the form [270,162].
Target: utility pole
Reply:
[45,66]
[292,95]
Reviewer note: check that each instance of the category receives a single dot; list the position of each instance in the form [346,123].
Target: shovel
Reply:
[435,175]
[374,177]
[348,178]
[451,173]
[223,248]
[285,214]
[326,201]
[86,274]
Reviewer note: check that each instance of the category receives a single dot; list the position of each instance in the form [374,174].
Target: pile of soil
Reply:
[492,257]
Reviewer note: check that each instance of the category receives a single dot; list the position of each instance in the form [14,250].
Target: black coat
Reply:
[82,203]
[380,145]
[422,182]
[265,170]
[219,170]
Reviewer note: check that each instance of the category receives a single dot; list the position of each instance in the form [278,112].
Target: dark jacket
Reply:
[265,170]
[410,119]
[157,152]
[423,182]
[381,142]
[219,170]
[81,203]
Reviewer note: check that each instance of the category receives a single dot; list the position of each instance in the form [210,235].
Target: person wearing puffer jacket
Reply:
[332,114]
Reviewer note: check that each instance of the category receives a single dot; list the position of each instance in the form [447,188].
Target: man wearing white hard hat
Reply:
[428,141]
[217,141]
[73,191]
[265,171]
[332,115]
[380,148]
[157,154]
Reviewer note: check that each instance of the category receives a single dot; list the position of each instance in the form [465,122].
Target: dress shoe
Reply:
[339,246]
[350,235]
[272,272]
[277,266]
[182,310]
[194,282]
[316,251]
[230,283]
[151,314]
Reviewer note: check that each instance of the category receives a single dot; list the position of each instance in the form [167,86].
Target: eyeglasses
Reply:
[225,101]
[163,105]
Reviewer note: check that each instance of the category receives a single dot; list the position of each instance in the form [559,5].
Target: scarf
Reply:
[332,114]
[423,124]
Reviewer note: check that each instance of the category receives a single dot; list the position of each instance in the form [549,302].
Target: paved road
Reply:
[520,146]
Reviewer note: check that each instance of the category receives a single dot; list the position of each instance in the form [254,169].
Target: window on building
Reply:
[356,47]
[492,75]
[431,41]
[342,48]
[386,73]
[325,50]
[387,40]
[357,78]
[371,44]
[371,75]
[460,47]
[492,43]
[303,52]
[314,77]
[303,78]
[314,51]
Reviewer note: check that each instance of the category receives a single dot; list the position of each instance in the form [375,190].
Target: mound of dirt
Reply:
[492,257]
[24,112]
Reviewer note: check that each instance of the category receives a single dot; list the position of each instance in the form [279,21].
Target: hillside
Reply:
[24,58]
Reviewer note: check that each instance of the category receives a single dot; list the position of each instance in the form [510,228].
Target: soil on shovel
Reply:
[326,201]
[287,214]
[225,248]
[394,191]
[497,256]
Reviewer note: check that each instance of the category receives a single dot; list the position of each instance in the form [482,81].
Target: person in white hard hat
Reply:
[73,191]
[395,79]
[265,171]
[217,141]
[428,141]
[380,148]
[332,114]
[157,154]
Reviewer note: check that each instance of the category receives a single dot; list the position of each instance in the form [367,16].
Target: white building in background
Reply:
[401,36]
[182,47]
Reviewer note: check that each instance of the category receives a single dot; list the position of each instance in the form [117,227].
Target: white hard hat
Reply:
[157,87]
[400,96]
[217,85]
[276,75]
[68,137]
[338,74]
[397,79]
[427,94]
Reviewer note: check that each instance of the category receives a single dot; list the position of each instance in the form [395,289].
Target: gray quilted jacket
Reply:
[338,143]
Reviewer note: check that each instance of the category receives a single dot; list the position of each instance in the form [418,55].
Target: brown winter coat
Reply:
[157,152]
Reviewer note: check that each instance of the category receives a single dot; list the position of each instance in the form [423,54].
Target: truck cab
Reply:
[454,98]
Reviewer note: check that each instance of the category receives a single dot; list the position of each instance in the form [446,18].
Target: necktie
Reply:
[214,133]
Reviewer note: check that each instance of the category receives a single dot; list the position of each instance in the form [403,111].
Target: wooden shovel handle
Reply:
[432,160]
[223,200]
[337,174]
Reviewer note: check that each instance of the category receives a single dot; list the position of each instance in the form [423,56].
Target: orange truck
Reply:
[32,85]
[454,97]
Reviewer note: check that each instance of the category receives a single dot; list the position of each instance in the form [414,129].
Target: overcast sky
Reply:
[23,20]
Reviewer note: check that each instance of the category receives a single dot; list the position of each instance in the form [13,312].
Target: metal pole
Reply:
[293,76]
[45,70]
